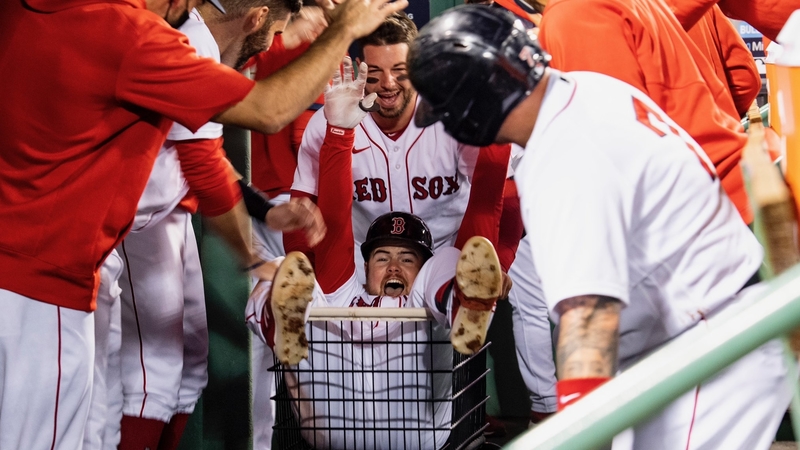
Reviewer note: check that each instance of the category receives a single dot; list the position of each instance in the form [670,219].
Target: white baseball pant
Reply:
[46,370]
[532,335]
[164,349]
[102,415]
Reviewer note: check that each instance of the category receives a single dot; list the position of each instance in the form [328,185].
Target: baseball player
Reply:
[398,166]
[651,52]
[400,271]
[164,332]
[635,241]
[82,128]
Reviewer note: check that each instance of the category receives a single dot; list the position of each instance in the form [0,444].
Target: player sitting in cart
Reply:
[459,288]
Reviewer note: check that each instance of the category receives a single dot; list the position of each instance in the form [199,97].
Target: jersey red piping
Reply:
[408,174]
[388,171]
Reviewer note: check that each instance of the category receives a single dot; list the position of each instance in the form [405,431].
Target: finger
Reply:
[362,74]
[317,231]
[347,69]
[389,7]
[336,79]
[314,224]
[368,104]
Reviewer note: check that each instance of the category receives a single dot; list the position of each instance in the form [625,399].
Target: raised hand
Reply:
[305,27]
[359,18]
[345,104]
[298,214]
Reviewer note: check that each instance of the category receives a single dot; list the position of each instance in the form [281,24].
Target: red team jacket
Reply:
[641,43]
[81,129]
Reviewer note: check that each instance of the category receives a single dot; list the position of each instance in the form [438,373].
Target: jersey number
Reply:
[652,120]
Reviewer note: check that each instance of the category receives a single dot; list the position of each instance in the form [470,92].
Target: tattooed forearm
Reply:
[588,339]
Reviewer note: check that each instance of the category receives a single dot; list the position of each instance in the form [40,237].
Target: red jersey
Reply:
[641,43]
[274,156]
[96,86]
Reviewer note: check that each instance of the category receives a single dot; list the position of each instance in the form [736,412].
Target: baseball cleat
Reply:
[479,282]
[292,291]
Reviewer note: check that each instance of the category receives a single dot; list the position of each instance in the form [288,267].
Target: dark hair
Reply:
[396,29]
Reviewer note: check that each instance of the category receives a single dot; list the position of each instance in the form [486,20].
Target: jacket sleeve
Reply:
[485,207]
[741,72]
[210,175]
[334,255]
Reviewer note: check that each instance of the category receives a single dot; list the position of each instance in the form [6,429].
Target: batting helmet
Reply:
[472,65]
[400,229]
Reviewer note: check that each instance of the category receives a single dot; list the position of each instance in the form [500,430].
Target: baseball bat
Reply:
[776,222]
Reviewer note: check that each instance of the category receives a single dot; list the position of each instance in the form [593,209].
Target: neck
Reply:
[520,123]
[227,34]
[395,124]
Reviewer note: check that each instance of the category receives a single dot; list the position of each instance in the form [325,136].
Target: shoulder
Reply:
[584,12]
[200,36]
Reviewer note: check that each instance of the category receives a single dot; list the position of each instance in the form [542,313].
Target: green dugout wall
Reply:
[222,418]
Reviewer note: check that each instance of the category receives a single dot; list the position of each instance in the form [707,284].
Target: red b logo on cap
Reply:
[398,225]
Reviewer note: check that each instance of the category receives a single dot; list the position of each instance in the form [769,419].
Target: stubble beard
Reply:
[397,112]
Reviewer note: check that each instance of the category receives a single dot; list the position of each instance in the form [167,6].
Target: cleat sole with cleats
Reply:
[292,291]
[479,279]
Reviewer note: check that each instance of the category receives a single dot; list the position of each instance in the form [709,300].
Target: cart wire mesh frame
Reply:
[380,378]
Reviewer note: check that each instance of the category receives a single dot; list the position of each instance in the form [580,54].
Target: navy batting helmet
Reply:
[399,229]
[472,65]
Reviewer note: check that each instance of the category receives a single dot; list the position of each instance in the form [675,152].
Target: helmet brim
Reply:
[425,115]
[387,241]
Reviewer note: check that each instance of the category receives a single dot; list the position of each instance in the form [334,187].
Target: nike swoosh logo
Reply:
[359,150]
[567,398]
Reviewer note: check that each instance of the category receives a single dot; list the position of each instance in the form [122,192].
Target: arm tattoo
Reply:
[588,338]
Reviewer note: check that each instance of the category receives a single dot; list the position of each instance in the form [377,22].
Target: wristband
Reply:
[255,202]
[571,390]
[255,265]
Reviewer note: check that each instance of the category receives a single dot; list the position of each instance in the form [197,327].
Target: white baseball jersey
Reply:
[397,359]
[424,172]
[167,186]
[631,208]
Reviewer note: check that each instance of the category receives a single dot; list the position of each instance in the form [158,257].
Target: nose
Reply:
[388,81]
[394,266]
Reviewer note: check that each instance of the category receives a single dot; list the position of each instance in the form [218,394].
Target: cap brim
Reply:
[217,5]
[425,115]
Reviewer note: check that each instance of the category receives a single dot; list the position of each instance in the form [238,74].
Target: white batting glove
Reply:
[345,104]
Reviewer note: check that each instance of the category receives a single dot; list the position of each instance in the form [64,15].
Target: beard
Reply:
[253,45]
[405,99]
[177,23]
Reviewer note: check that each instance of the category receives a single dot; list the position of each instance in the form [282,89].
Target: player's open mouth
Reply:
[393,287]
[388,99]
